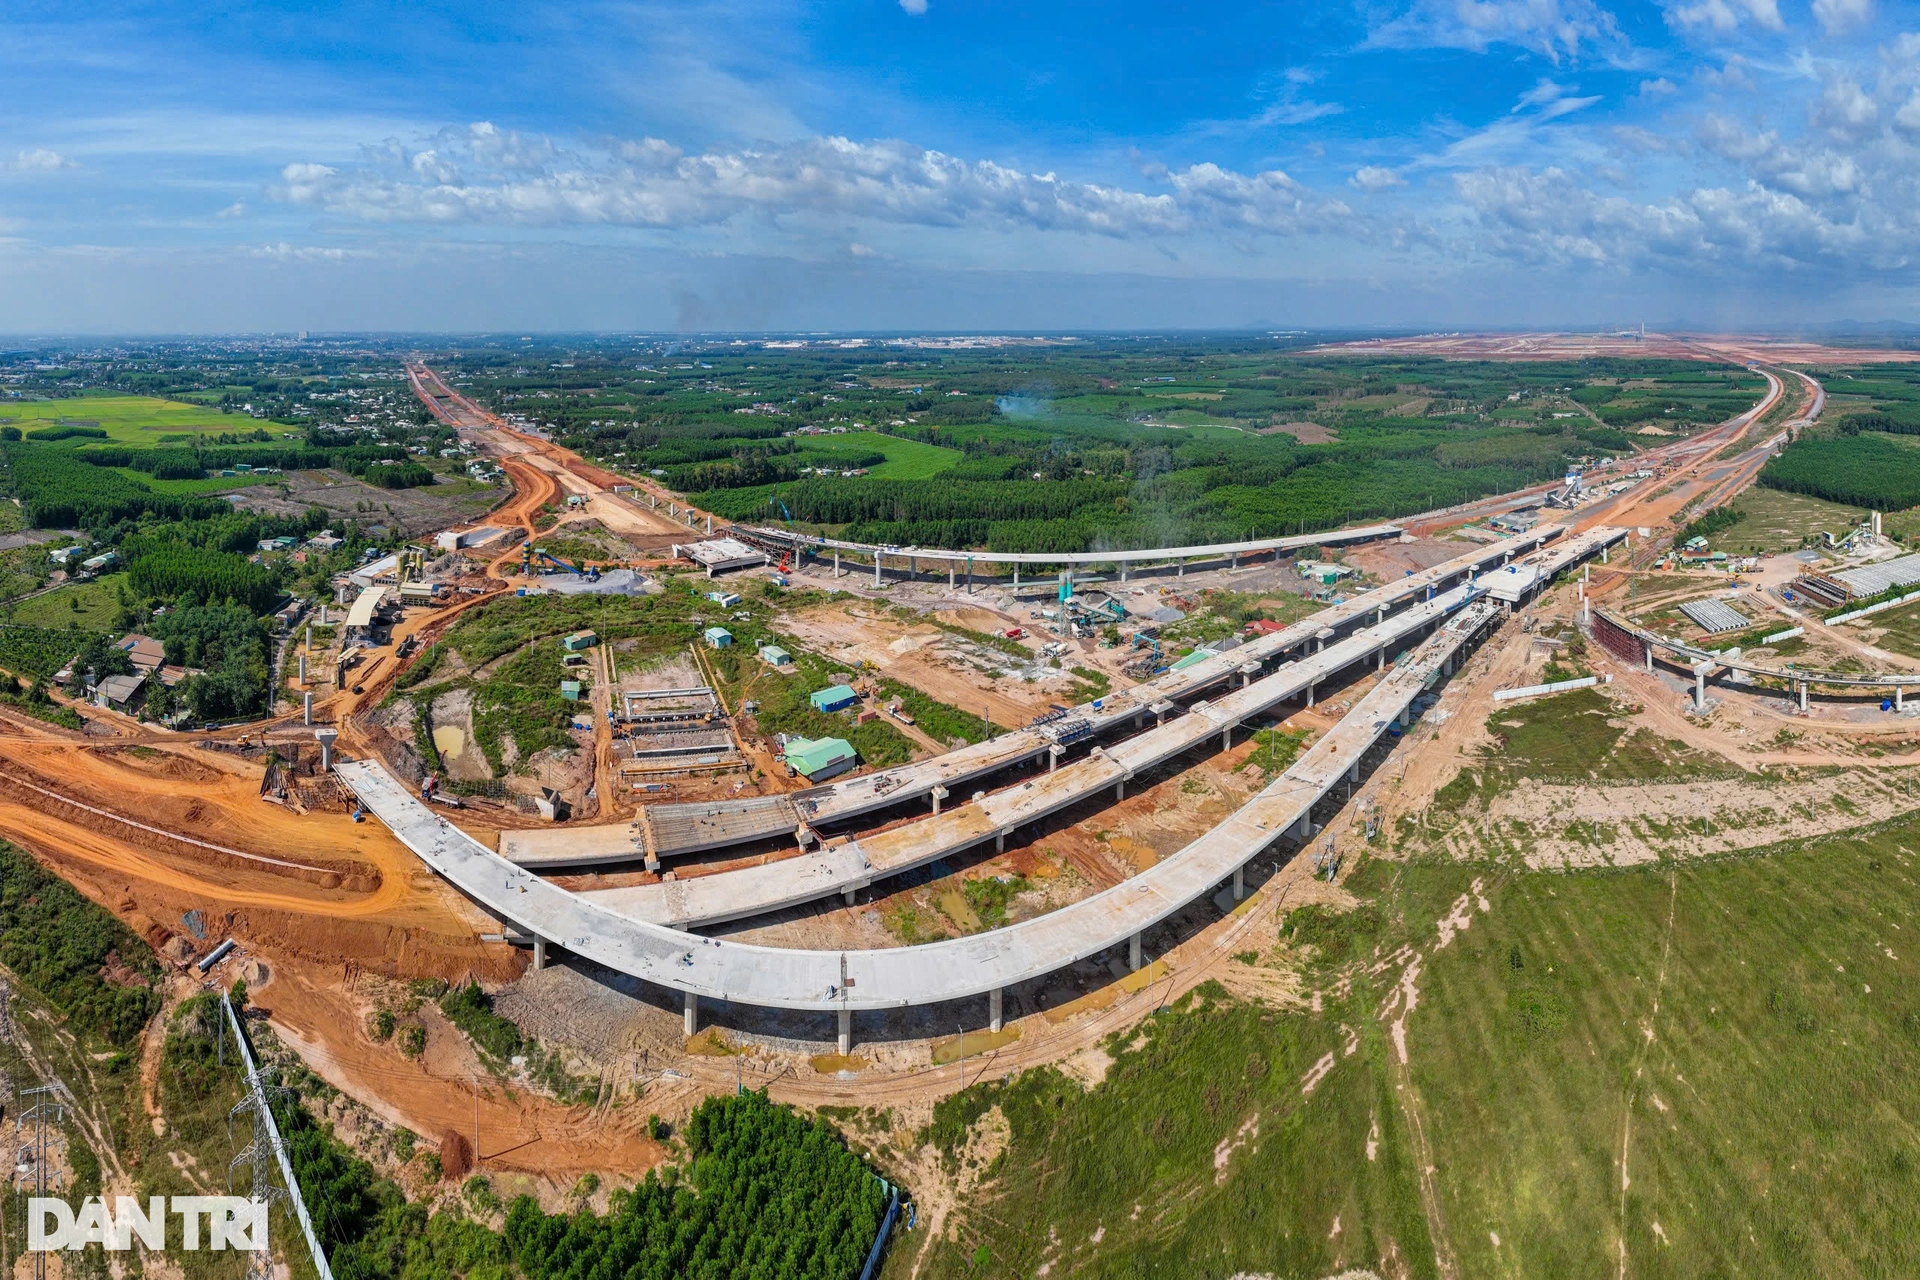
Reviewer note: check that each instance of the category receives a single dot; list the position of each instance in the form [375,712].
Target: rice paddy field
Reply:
[133,420]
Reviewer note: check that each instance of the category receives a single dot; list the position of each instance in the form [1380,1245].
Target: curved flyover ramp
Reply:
[845,981]
[675,830]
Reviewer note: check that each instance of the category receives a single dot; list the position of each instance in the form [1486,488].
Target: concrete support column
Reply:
[1133,953]
[1310,691]
[847,897]
[1406,716]
[1353,772]
[1649,649]
[690,1014]
[1803,695]
[1603,554]
[303,668]
[995,1010]
[836,563]
[306,707]
[309,635]
[999,842]
[1239,883]
[1234,563]
[1181,572]
[1226,737]
[539,952]
[951,572]
[877,559]
[1120,791]
[1016,575]
[1139,720]
[939,794]
[1446,667]
[1899,697]
[1054,753]
[846,1031]
[1700,688]
[709,526]
[326,737]
[1380,659]
[1123,571]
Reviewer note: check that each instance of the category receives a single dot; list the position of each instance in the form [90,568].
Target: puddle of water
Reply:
[449,739]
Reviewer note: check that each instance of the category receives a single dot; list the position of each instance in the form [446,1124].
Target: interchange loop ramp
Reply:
[668,830]
[750,891]
[835,981]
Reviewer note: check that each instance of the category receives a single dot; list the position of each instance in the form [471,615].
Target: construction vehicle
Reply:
[1146,664]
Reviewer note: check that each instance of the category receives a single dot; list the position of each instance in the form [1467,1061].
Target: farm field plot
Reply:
[906,459]
[206,484]
[136,420]
[89,605]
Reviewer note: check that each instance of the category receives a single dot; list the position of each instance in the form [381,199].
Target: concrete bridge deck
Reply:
[842,982]
[750,891]
[771,817]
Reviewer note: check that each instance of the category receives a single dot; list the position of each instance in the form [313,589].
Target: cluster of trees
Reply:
[173,569]
[1864,471]
[229,645]
[769,1194]
[84,962]
[57,490]
[387,465]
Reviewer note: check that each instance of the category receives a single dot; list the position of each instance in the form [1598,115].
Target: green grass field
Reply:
[207,484]
[1775,521]
[137,420]
[1744,1031]
[98,601]
[906,459]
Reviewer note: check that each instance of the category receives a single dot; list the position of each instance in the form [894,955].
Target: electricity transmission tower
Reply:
[259,1157]
[37,1152]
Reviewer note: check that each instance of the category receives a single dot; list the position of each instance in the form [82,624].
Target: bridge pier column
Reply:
[1123,571]
[690,1014]
[1181,572]
[1133,954]
[1310,691]
[939,794]
[952,571]
[1226,737]
[1803,695]
[1603,554]
[836,563]
[1380,659]
[1899,697]
[1120,790]
[1016,575]
[999,842]
[847,896]
[1649,649]
[877,560]
[1239,883]
[846,1031]
[1054,753]
[1234,563]
[995,1011]
[539,952]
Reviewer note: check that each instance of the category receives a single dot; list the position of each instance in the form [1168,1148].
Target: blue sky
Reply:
[940,164]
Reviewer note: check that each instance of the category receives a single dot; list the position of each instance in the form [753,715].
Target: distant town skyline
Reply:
[948,166]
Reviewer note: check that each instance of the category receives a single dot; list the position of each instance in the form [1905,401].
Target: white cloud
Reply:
[1552,28]
[652,184]
[238,209]
[39,159]
[1839,16]
[914,7]
[1370,177]
[1723,17]
[1657,88]
[284,252]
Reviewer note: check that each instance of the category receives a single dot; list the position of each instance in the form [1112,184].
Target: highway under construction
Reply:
[841,982]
